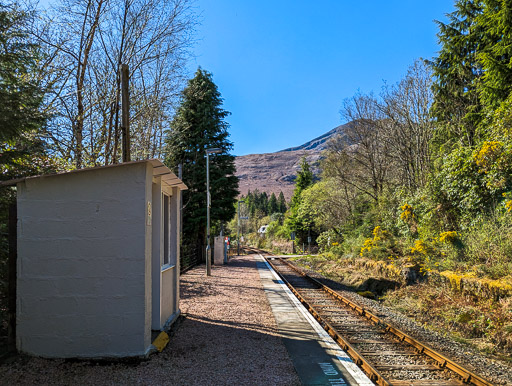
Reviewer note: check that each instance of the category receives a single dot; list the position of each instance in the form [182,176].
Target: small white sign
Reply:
[149,214]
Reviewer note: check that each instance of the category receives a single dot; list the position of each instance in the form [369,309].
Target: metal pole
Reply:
[180,176]
[238,232]
[208,204]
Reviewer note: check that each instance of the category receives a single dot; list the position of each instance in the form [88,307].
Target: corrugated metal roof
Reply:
[159,170]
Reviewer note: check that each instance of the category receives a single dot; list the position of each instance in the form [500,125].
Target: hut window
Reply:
[167,229]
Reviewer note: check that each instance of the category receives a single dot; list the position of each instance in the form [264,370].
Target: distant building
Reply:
[263,229]
[98,259]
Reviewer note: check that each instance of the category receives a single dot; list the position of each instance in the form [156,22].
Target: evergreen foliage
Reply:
[300,219]
[473,75]
[281,203]
[260,205]
[303,181]
[199,124]
[22,151]
[495,54]
[20,94]
[457,72]
[272,204]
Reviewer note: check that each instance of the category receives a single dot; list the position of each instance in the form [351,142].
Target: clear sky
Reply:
[284,67]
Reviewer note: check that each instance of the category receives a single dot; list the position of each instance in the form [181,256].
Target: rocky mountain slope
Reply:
[276,172]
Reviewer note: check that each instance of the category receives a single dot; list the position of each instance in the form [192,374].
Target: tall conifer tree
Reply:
[281,202]
[456,72]
[496,53]
[199,124]
[20,95]
[22,151]
[272,204]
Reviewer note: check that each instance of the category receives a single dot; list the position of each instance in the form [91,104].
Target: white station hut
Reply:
[98,260]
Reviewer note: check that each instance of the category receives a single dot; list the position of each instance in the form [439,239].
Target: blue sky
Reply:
[284,67]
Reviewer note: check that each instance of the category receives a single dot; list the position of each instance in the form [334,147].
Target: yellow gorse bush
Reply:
[407,212]
[378,235]
[367,246]
[420,247]
[448,237]
[487,154]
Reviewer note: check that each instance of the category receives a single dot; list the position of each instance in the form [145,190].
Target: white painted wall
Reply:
[84,263]
[148,196]
[157,252]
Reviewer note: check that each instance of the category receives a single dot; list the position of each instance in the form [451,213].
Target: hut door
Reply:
[169,267]
[165,251]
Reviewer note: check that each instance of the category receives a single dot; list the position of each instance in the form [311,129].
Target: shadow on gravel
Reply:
[220,351]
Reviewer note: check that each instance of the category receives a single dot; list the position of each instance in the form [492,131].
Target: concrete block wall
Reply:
[84,263]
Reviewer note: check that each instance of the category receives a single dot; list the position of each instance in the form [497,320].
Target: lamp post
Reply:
[238,231]
[208,206]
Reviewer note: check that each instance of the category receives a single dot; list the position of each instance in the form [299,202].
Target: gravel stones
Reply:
[227,335]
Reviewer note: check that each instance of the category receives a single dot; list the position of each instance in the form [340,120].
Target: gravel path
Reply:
[227,336]
[497,372]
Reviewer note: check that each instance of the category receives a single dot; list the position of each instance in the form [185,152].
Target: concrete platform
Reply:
[318,360]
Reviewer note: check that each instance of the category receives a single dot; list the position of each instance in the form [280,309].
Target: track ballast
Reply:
[386,354]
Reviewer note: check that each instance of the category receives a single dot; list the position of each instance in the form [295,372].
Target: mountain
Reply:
[319,143]
[276,172]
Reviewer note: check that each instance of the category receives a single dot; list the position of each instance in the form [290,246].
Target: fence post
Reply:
[125,117]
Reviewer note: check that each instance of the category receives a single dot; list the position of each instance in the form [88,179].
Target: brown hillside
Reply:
[276,172]
[271,172]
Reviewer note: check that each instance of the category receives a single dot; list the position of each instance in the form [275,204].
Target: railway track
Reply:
[386,354]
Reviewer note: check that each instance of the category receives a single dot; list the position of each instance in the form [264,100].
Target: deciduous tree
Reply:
[85,42]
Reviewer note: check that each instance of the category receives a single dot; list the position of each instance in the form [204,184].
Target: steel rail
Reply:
[373,373]
[443,362]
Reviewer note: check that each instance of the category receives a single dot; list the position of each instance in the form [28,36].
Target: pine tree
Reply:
[303,181]
[281,203]
[22,152]
[272,204]
[457,72]
[263,203]
[199,124]
[20,95]
[496,54]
